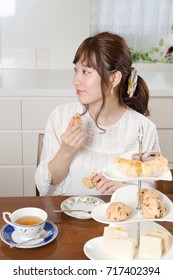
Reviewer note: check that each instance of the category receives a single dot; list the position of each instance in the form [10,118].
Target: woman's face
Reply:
[87,83]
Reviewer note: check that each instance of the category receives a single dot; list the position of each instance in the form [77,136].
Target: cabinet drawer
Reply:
[35,112]
[165,138]
[161,111]
[30,147]
[10,112]
[29,181]
[10,148]
[11,182]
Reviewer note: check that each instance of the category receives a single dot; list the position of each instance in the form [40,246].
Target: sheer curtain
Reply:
[141,22]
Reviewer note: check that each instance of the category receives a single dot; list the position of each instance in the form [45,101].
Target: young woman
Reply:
[113,104]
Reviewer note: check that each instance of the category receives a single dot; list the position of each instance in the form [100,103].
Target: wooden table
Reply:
[72,233]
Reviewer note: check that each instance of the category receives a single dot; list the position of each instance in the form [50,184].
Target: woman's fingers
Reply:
[107,185]
[72,128]
[74,137]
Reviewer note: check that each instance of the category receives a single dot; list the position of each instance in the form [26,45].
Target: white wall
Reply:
[42,34]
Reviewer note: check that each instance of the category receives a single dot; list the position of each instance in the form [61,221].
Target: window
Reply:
[147,26]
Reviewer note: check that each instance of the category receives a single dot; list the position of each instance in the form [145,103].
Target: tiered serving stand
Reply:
[130,195]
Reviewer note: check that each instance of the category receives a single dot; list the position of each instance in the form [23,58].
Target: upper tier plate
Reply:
[111,173]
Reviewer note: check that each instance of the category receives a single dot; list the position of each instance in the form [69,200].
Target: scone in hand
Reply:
[89,181]
[77,119]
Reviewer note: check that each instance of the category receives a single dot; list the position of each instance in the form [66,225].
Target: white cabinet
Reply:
[166,144]
[22,119]
[10,113]
[11,181]
[162,115]
[10,148]
[28,180]
[161,109]
[30,141]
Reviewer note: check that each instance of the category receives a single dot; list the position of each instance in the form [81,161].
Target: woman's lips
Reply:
[78,91]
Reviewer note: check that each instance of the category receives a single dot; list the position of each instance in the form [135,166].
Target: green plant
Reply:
[155,54]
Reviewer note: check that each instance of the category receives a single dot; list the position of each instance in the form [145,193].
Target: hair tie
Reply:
[132,82]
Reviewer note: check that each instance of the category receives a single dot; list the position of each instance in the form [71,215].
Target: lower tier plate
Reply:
[94,249]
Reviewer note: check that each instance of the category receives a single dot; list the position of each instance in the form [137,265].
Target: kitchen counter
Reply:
[58,83]
[26,83]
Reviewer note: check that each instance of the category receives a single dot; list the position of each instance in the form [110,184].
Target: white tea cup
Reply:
[28,222]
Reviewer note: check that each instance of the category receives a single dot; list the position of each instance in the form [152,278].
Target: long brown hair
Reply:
[107,52]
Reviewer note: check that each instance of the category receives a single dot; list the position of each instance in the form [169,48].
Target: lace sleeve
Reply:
[51,144]
[43,182]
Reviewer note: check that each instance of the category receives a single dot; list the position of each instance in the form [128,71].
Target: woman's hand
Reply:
[72,139]
[104,184]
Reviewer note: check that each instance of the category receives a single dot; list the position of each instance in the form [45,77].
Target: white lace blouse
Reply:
[98,151]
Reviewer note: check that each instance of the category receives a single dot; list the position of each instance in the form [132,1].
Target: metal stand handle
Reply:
[140,140]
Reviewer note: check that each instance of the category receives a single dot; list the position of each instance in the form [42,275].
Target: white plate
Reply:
[11,237]
[94,249]
[128,195]
[111,173]
[86,203]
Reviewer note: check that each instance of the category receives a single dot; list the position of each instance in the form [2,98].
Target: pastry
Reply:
[153,209]
[77,119]
[118,211]
[127,167]
[146,194]
[89,181]
[151,205]
[155,168]
[135,168]
[148,156]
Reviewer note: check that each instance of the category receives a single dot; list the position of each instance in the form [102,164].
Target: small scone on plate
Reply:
[151,204]
[118,211]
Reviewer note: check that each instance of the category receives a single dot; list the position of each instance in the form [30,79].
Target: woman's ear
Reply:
[116,78]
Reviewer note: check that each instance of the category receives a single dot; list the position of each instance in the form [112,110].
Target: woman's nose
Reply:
[76,79]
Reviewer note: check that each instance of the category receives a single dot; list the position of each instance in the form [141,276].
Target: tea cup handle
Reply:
[5,219]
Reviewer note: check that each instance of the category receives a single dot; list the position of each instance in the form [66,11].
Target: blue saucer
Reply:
[11,237]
